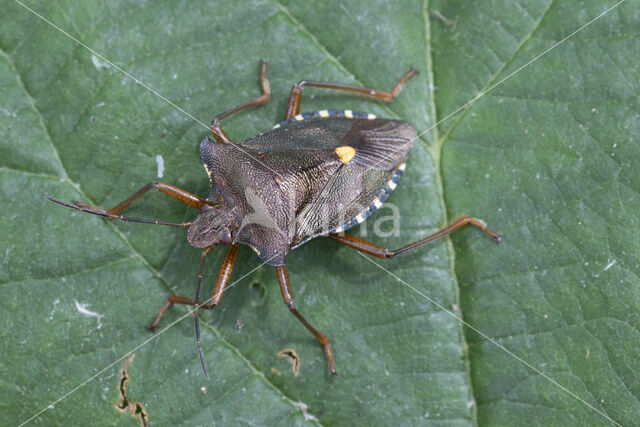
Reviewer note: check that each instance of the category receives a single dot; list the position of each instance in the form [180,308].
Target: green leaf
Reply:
[547,157]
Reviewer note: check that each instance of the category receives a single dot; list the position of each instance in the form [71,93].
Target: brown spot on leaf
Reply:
[136,409]
[276,371]
[292,355]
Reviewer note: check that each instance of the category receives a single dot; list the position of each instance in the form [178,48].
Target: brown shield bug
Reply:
[315,174]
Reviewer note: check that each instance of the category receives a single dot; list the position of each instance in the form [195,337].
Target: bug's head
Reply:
[211,227]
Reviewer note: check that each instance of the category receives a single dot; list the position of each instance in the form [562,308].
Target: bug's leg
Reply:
[114,213]
[377,251]
[287,295]
[293,108]
[223,279]
[168,189]
[218,291]
[217,131]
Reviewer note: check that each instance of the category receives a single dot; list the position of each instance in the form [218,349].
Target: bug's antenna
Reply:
[114,216]
[196,303]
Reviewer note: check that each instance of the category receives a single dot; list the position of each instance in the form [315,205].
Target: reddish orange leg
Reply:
[218,291]
[217,131]
[287,295]
[223,278]
[114,213]
[293,108]
[377,251]
[168,189]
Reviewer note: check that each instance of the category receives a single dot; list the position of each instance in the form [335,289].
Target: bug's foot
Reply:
[497,237]
[332,369]
[153,325]
[329,354]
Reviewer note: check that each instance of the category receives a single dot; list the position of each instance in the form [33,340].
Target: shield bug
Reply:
[312,175]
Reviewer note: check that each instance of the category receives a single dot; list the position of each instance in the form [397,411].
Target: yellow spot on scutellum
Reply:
[207,169]
[345,153]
